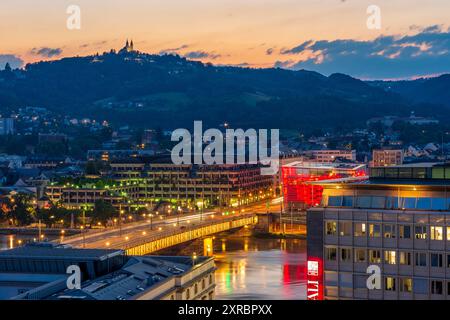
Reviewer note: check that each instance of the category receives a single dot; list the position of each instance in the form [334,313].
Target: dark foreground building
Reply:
[39,272]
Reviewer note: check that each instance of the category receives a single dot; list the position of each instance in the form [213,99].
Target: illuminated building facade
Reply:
[397,221]
[297,177]
[137,182]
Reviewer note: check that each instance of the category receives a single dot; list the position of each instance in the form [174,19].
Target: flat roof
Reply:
[58,252]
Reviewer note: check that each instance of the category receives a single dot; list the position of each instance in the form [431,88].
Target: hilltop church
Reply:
[129,47]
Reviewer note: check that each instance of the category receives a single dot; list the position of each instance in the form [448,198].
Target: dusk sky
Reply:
[323,35]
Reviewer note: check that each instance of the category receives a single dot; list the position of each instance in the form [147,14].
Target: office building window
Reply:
[405,284]
[374,256]
[421,259]
[389,257]
[389,284]
[448,233]
[420,286]
[331,278]
[404,258]
[374,230]
[436,233]
[331,228]
[345,228]
[346,255]
[360,255]
[437,287]
[436,260]
[360,229]
[389,231]
[421,232]
[404,232]
[331,253]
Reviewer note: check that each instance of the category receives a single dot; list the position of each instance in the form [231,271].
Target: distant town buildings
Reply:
[6,126]
[388,121]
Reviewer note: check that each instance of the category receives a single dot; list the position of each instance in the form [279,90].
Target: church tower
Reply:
[129,47]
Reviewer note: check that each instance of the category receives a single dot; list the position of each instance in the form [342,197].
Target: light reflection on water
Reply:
[254,268]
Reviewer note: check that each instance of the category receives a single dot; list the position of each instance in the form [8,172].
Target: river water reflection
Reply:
[256,268]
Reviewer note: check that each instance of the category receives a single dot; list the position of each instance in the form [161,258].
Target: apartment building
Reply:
[387,157]
[135,182]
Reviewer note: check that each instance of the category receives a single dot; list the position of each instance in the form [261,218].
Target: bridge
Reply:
[145,239]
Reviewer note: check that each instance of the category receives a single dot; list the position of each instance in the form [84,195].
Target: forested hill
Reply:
[170,91]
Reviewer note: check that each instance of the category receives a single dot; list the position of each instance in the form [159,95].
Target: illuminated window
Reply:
[360,230]
[437,287]
[389,257]
[436,260]
[374,256]
[346,255]
[345,228]
[436,233]
[389,284]
[331,228]
[331,253]
[389,231]
[405,284]
[404,232]
[404,258]
[374,230]
[421,259]
[421,232]
[360,255]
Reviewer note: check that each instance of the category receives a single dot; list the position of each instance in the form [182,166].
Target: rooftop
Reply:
[53,251]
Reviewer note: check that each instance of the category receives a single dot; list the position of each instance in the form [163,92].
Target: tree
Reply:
[22,211]
[103,211]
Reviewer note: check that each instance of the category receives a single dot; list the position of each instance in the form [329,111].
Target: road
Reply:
[117,238]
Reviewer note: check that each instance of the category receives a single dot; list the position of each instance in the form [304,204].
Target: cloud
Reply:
[46,52]
[269,51]
[201,55]
[174,50]
[423,53]
[14,61]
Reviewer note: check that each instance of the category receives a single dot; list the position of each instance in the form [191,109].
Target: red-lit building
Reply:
[299,181]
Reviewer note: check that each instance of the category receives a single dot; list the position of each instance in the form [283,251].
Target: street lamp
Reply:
[84,236]
[151,221]
[194,258]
